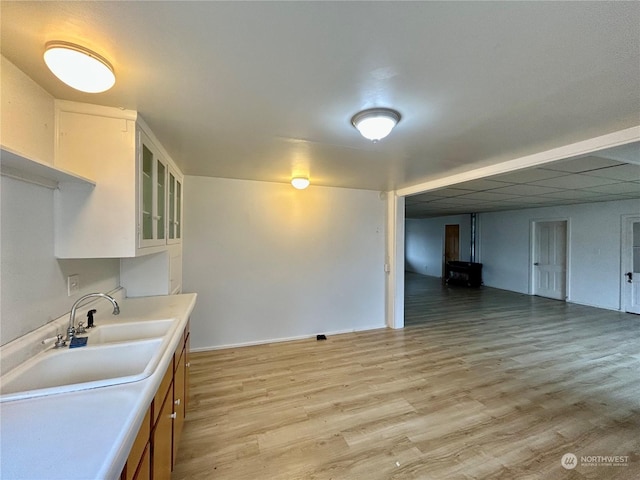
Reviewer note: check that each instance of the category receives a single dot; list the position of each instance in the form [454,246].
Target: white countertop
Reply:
[87,434]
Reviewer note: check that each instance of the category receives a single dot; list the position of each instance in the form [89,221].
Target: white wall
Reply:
[33,283]
[270,262]
[594,248]
[424,243]
[26,115]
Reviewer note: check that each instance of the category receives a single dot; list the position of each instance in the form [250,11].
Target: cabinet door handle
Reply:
[177,402]
[188,364]
[629,277]
[174,415]
[536,264]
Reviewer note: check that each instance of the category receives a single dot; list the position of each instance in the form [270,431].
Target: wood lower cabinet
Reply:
[155,449]
[187,368]
[178,404]
[144,467]
[162,442]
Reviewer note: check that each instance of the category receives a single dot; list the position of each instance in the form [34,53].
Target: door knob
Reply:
[629,277]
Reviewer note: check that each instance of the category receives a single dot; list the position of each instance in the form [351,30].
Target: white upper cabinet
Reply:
[153,191]
[174,207]
[129,211]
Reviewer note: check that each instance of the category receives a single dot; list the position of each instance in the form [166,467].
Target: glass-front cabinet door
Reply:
[161,186]
[152,196]
[146,202]
[174,225]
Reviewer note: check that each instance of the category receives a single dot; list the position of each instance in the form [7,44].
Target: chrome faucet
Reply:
[71,330]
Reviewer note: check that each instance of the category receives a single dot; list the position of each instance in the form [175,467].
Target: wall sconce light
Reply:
[375,123]
[300,182]
[79,67]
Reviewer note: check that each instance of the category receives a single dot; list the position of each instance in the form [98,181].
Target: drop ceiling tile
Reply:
[525,200]
[419,207]
[574,181]
[490,196]
[529,175]
[609,198]
[545,199]
[581,201]
[433,208]
[453,201]
[450,192]
[625,188]
[579,165]
[525,190]
[423,197]
[485,206]
[571,194]
[620,172]
[479,185]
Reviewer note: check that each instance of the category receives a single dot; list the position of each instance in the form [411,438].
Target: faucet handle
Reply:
[80,328]
[58,339]
[90,314]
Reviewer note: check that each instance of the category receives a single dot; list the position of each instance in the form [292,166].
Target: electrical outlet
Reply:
[73,285]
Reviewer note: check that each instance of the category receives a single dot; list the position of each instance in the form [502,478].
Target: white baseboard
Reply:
[613,309]
[283,339]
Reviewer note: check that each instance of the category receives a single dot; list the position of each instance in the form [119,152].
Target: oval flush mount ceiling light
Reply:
[79,67]
[375,123]
[300,182]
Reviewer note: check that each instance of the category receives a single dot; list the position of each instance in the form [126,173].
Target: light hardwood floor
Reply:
[481,384]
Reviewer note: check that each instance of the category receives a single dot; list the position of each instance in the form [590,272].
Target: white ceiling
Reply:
[263,90]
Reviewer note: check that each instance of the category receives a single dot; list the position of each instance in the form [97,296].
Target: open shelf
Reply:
[17,166]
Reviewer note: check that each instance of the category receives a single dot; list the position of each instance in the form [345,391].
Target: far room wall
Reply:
[270,262]
[424,243]
[594,276]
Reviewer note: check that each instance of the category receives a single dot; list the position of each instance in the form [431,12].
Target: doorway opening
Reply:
[451,251]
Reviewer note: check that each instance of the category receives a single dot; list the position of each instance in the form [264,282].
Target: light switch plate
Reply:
[73,285]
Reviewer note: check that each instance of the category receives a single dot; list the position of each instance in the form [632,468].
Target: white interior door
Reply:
[550,259]
[630,262]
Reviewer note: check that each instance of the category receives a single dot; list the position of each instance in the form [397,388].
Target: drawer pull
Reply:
[174,415]
[177,402]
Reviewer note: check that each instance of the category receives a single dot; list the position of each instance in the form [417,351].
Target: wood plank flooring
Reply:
[481,384]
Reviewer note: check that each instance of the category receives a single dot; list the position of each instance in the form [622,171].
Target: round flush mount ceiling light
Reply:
[79,67]
[375,123]
[300,182]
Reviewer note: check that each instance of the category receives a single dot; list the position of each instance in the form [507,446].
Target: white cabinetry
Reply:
[174,206]
[125,215]
[153,195]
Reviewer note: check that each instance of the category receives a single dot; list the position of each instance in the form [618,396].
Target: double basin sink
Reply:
[115,353]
